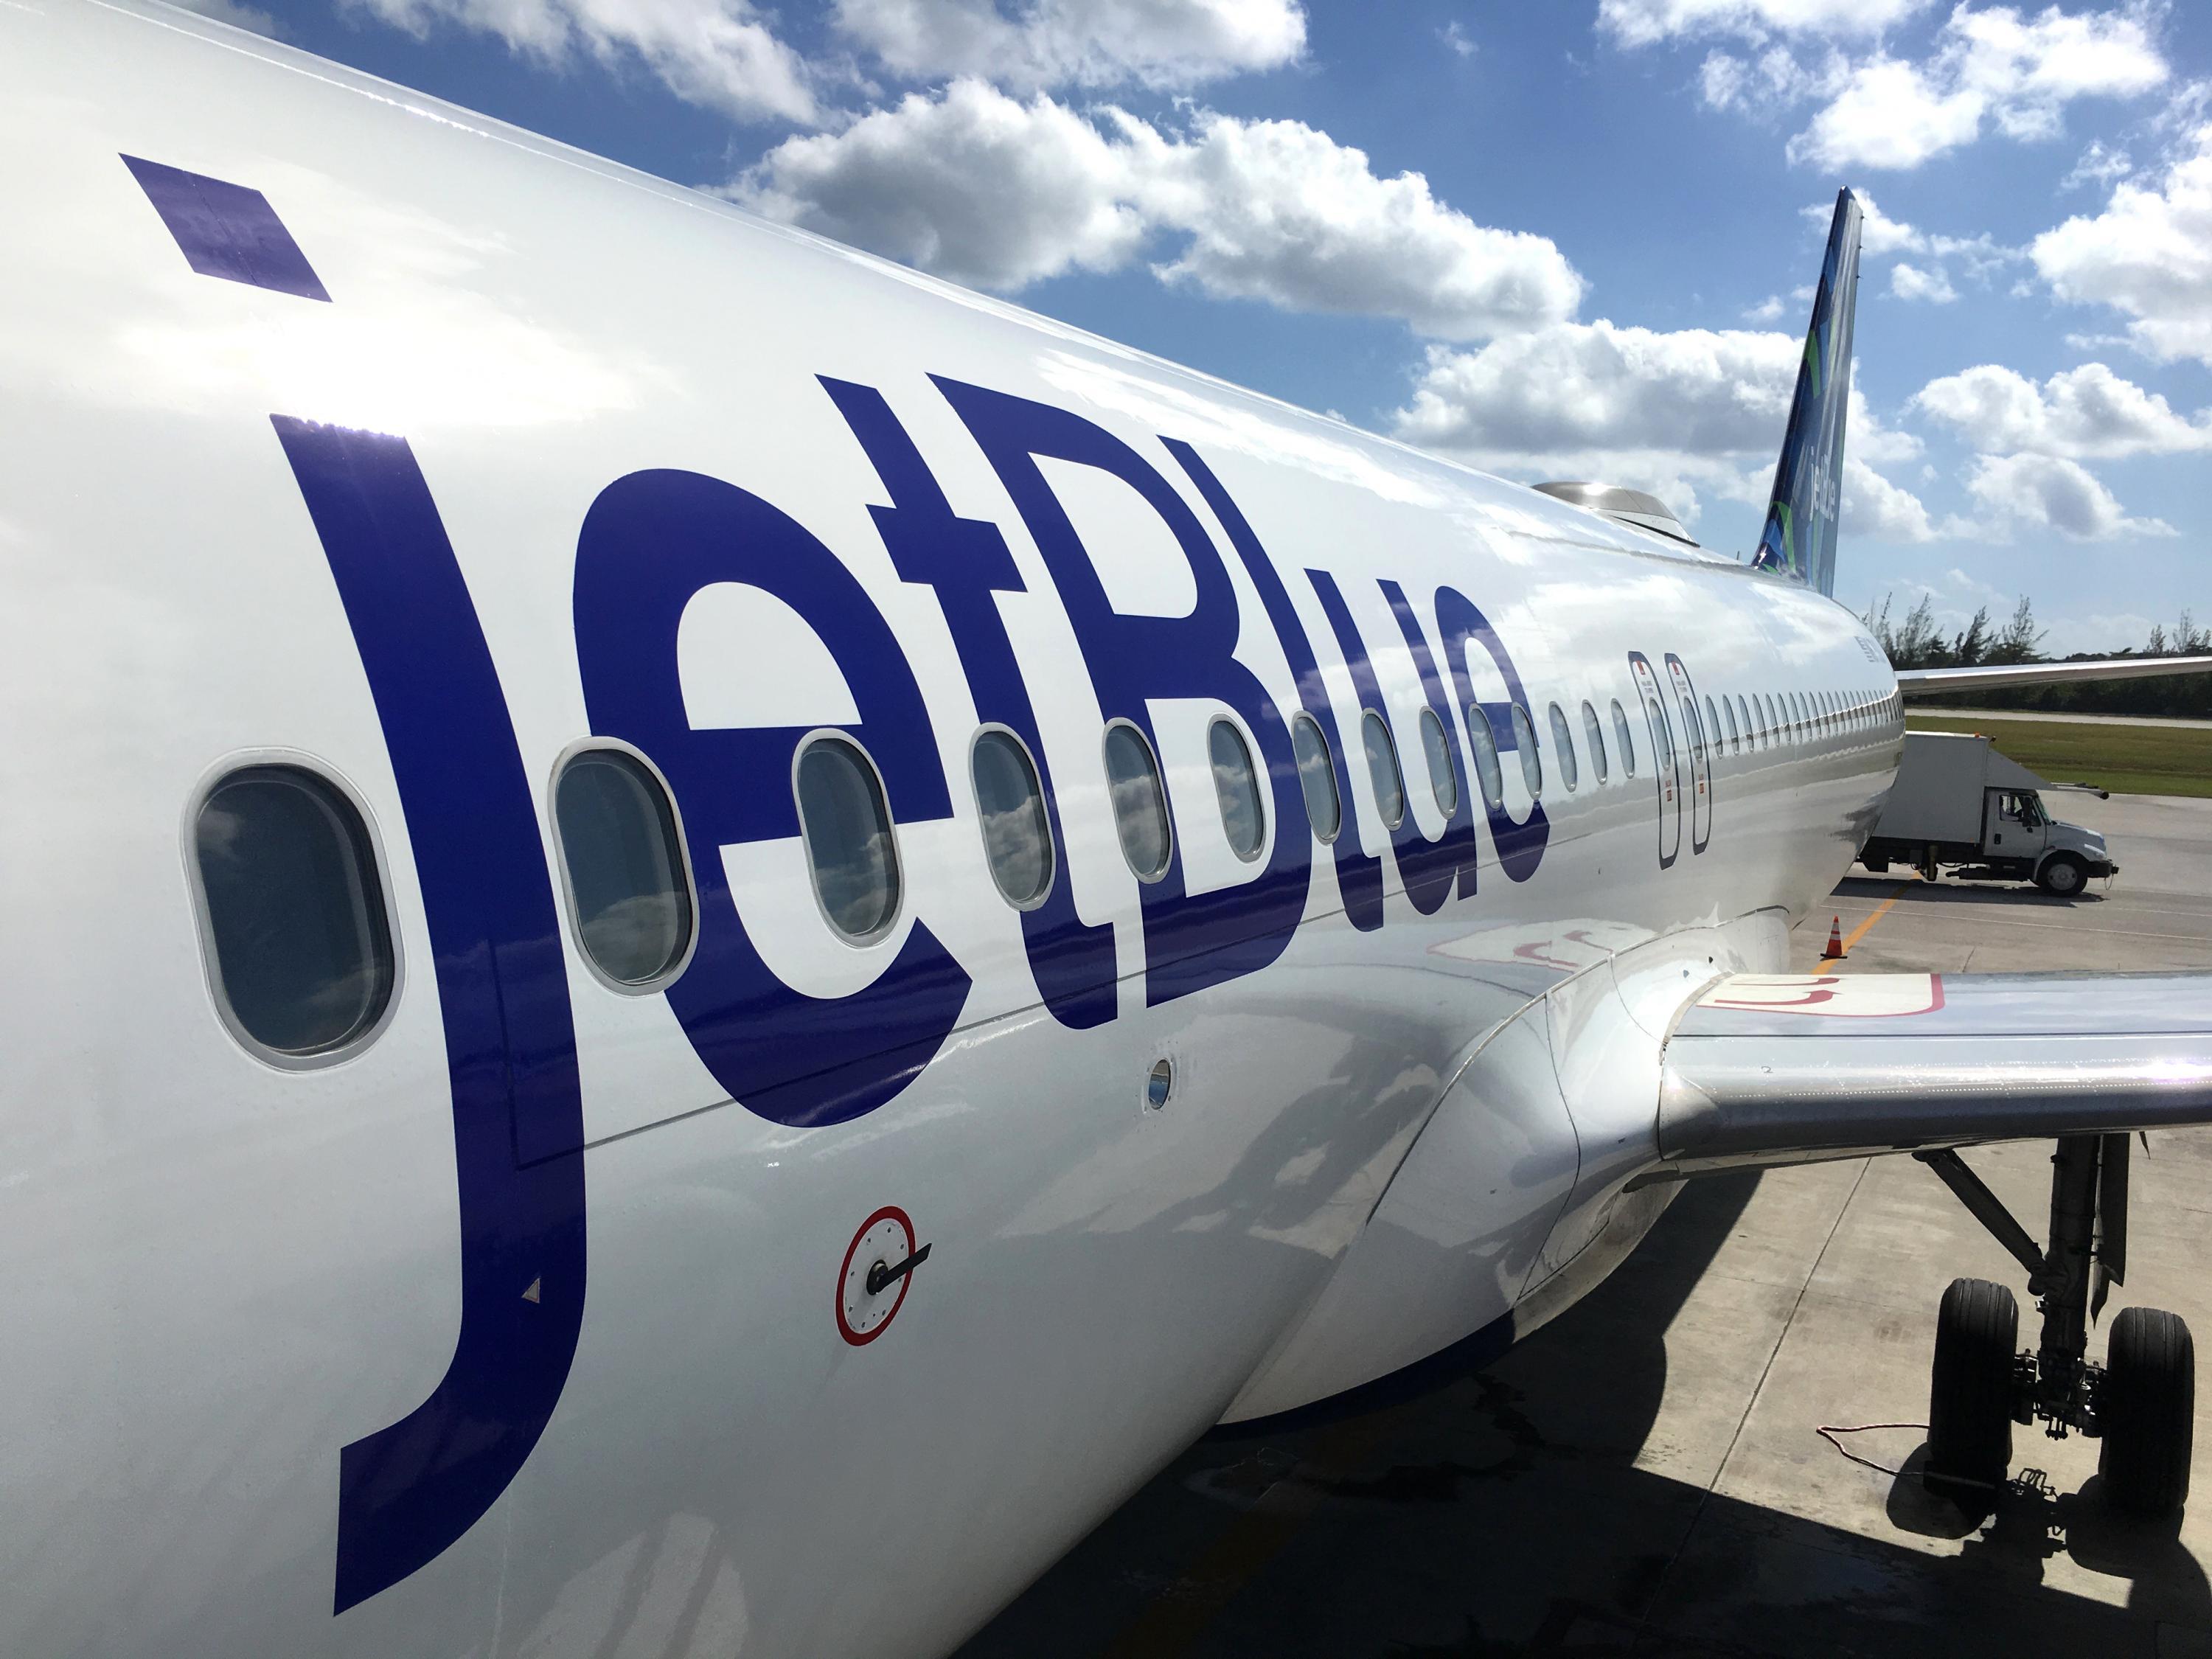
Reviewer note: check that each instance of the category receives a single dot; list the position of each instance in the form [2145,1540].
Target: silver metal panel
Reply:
[1853,1007]
[1999,675]
[1891,1062]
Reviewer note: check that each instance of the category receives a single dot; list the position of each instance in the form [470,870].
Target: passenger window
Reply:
[1660,735]
[293,912]
[1625,738]
[1487,772]
[848,830]
[627,888]
[1140,810]
[1743,708]
[1382,769]
[1563,745]
[1736,733]
[1594,734]
[1243,818]
[1436,749]
[1524,739]
[1017,833]
[1713,726]
[1692,729]
[1316,778]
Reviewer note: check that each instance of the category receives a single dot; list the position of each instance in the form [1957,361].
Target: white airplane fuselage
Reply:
[518,1328]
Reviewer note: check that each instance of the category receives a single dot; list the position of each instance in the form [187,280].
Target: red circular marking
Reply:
[858,1339]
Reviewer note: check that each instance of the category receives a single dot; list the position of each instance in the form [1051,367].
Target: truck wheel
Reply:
[1970,1390]
[2062,876]
[2148,1404]
[1877,865]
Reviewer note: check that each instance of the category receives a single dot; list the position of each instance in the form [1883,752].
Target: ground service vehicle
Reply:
[1958,805]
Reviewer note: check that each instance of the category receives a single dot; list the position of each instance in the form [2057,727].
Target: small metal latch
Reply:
[881,1276]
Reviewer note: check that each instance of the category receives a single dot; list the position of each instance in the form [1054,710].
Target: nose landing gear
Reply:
[2141,1401]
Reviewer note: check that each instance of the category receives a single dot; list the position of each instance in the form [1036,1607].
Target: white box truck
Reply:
[1959,805]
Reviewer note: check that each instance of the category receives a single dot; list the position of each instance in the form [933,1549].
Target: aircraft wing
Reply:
[1996,676]
[1777,1069]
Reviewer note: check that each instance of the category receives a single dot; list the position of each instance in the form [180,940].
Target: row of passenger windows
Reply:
[301,950]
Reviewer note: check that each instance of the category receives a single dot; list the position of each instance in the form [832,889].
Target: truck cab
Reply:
[2013,824]
[1958,805]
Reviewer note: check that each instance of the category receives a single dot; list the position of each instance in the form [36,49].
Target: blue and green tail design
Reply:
[1800,537]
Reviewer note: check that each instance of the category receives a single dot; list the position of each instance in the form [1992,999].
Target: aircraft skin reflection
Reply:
[309,1354]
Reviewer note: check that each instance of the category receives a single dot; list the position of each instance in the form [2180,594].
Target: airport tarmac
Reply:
[1644,1474]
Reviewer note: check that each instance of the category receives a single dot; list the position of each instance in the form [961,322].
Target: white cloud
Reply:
[2098,166]
[975,185]
[229,12]
[1641,22]
[1091,43]
[717,54]
[1880,510]
[1909,282]
[1582,386]
[1457,37]
[2038,492]
[1994,68]
[969,184]
[2087,412]
[1878,232]
[2148,254]
[1766,311]
[1277,211]
[1888,115]
[1678,414]
[1771,78]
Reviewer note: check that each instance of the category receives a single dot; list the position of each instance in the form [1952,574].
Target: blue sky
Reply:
[1567,240]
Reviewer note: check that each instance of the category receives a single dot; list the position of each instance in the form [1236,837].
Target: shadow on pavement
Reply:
[2027,1521]
[1503,1514]
[1875,889]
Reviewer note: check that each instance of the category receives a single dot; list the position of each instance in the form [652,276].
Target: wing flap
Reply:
[1765,1069]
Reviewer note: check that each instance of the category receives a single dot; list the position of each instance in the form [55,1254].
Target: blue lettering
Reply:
[1191,940]
[650,542]
[1520,845]
[409,1490]
[966,561]
[1426,868]
[1358,875]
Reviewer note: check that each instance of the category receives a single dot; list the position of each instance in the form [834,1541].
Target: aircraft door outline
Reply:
[1701,757]
[1666,758]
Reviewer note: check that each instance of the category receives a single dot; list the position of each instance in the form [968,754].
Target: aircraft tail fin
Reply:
[1800,537]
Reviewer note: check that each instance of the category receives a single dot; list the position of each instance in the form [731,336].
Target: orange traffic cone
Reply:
[1835,950]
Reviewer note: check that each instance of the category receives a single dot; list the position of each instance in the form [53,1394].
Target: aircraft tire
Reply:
[2062,877]
[1971,1385]
[2148,1404]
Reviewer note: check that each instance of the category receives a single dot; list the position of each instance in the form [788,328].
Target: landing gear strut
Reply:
[2141,1401]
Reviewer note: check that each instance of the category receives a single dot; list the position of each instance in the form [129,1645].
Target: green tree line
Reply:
[1915,641]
